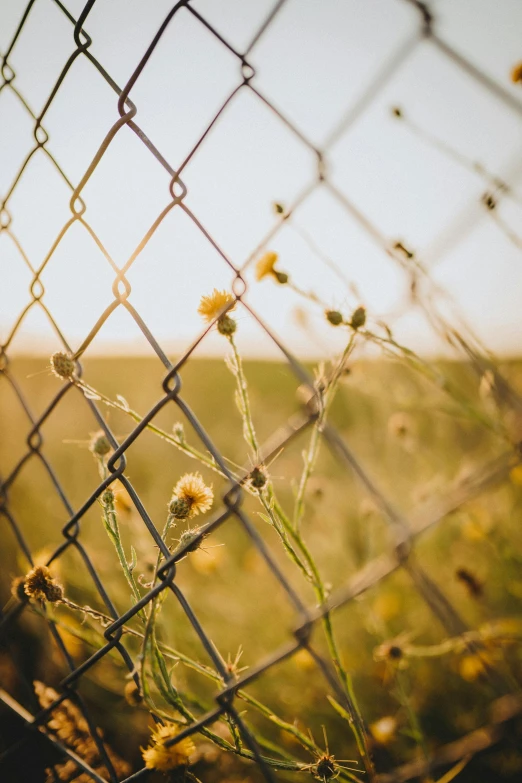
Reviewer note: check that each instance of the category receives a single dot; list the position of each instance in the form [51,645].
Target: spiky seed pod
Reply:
[179,508]
[226,325]
[40,585]
[326,768]
[358,318]
[107,497]
[62,365]
[190,539]
[257,478]
[99,444]
[334,317]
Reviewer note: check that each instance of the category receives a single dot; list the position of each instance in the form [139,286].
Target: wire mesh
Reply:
[404,531]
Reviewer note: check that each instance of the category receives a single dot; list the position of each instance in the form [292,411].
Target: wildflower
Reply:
[190,497]
[516,74]
[99,444]
[164,758]
[62,365]
[213,305]
[384,729]
[334,317]
[358,318]
[266,267]
[39,584]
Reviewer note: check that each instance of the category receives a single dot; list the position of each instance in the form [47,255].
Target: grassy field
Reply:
[417,442]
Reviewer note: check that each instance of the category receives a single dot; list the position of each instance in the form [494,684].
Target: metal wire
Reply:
[404,531]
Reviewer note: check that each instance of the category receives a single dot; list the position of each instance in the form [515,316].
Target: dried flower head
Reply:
[165,758]
[325,766]
[210,307]
[516,74]
[190,497]
[257,478]
[100,445]
[39,584]
[62,365]
[68,724]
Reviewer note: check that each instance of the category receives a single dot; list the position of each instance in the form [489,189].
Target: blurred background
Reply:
[376,148]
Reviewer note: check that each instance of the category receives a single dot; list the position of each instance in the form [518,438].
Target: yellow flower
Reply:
[265,265]
[474,666]
[191,496]
[516,73]
[159,756]
[384,729]
[304,660]
[213,305]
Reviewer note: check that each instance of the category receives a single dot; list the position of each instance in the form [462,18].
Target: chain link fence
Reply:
[425,294]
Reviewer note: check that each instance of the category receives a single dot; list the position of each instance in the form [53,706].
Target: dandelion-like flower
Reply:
[265,267]
[212,305]
[39,584]
[165,758]
[190,497]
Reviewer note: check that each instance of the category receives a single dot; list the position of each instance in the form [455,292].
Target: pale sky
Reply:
[314,63]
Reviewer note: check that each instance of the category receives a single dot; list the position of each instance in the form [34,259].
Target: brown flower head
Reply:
[39,584]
